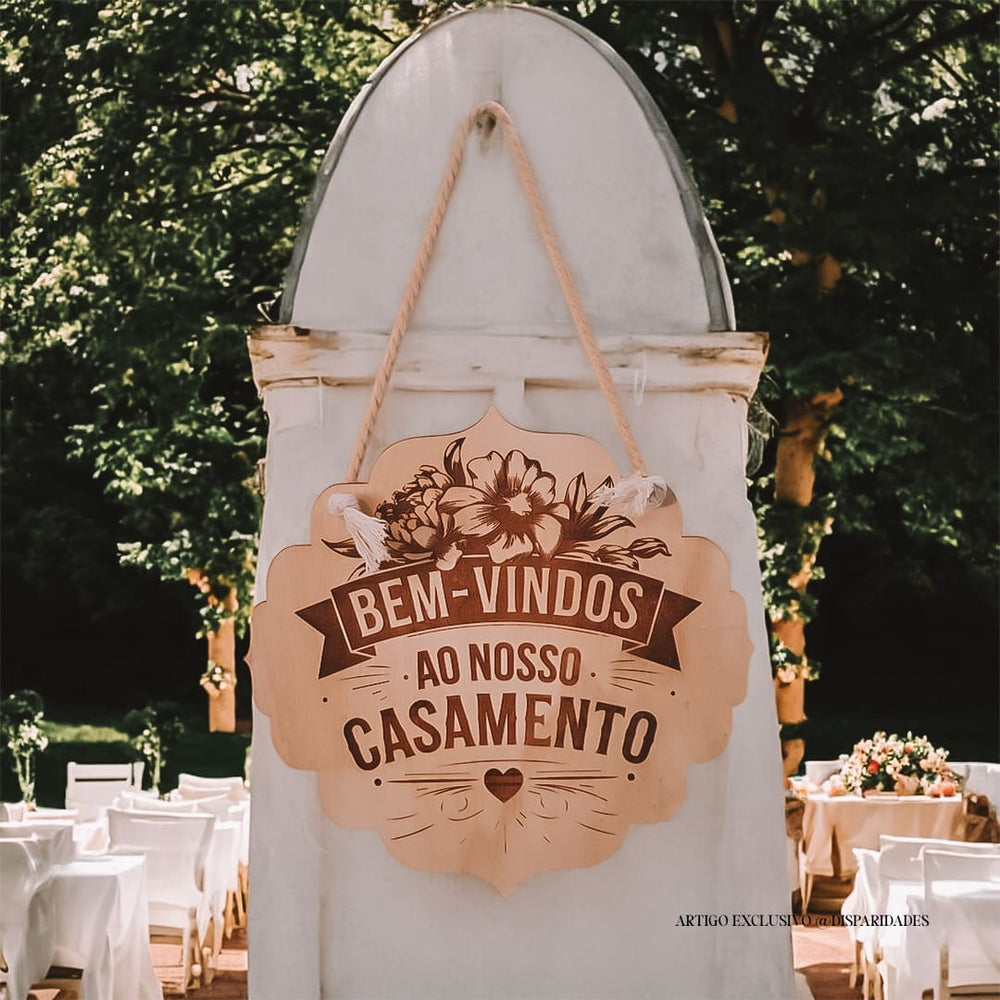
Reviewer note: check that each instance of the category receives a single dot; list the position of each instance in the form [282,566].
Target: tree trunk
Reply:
[800,441]
[222,653]
[735,56]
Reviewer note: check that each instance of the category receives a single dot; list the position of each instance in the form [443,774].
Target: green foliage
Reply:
[65,732]
[161,717]
[787,665]
[864,133]
[22,737]
[789,538]
[20,707]
[794,730]
[153,731]
[197,751]
[157,158]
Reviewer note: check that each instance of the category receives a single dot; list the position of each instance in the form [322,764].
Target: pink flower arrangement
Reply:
[910,765]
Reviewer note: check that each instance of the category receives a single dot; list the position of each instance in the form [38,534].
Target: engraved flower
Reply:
[508,506]
[418,530]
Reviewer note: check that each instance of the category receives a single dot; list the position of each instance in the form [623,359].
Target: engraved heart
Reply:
[503,784]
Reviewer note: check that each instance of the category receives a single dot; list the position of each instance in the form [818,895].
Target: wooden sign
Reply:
[527,675]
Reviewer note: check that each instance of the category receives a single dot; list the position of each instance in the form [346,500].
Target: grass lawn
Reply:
[90,736]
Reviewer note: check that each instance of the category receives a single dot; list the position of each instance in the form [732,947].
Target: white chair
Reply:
[817,771]
[92,787]
[983,778]
[900,857]
[195,787]
[26,926]
[142,803]
[889,876]
[222,881]
[194,783]
[11,812]
[969,960]
[176,846]
[226,810]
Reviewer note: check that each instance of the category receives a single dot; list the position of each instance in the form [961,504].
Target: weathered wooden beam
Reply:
[470,360]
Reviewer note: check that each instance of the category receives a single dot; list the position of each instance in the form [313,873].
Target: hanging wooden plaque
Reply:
[529,673]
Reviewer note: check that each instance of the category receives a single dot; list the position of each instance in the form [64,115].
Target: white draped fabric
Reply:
[99,907]
[833,826]
[87,914]
[967,915]
[26,929]
[332,914]
[906,908]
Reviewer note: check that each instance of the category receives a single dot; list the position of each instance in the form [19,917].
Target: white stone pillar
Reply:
[332,913]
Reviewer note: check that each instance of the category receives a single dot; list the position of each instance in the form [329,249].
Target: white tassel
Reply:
[635,493]
[367,532]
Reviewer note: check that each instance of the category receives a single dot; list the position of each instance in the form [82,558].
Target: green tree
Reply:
[846,154]
[156,157]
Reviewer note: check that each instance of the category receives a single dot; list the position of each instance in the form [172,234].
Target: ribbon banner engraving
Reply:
[526,674]
[360,615]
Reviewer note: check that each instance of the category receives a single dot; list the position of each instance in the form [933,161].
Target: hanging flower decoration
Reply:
[215,679]
[503,506]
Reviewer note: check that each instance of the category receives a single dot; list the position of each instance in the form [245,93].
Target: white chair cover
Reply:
[235,793]
[176,847]
[901,872]
[11,812]
[965,921]
[142,803]
[42,814]
[817,771]
[92,787]
[222,874]
[196,781]
[234,805]
[100,916]
[901,857]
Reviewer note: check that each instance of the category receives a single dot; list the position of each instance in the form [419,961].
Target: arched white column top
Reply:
[613,179]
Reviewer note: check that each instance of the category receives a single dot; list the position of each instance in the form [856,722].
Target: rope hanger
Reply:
[638,489]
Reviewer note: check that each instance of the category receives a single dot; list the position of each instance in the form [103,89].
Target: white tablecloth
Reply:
[832,826]
[25,912]
[48,843]
[99,907]
[966,915]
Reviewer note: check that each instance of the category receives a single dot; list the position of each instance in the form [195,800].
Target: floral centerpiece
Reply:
[907,765]
[152,732]
[215,679]
[21,716]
